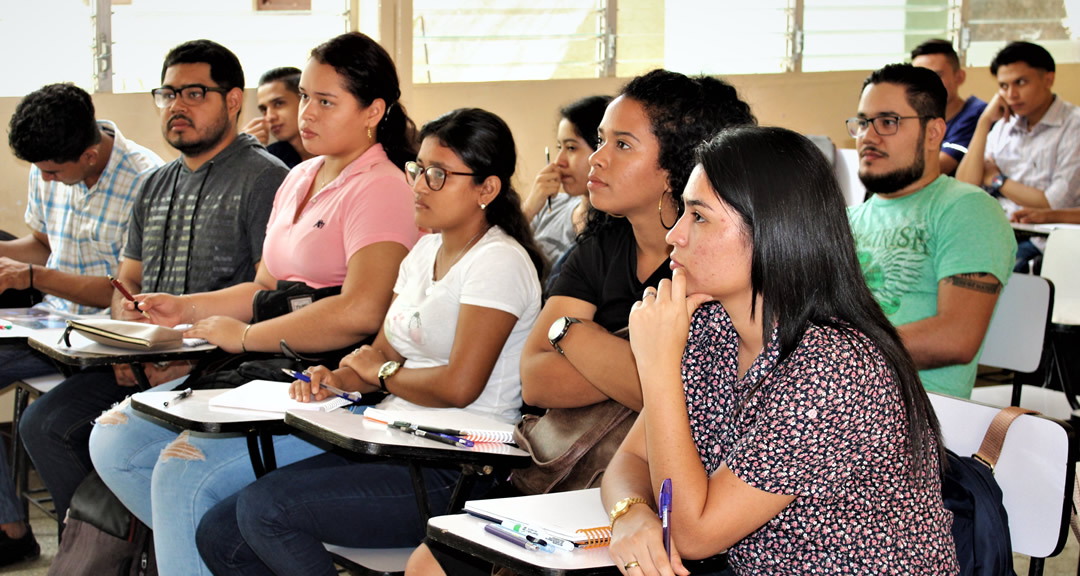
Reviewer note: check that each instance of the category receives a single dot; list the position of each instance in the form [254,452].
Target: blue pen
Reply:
[304,377]
[665,514]
[515,538]
[434,431]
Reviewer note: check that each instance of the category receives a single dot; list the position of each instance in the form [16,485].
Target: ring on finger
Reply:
[631,564]
[648,292]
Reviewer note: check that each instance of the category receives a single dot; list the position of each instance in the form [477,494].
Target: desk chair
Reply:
[1014,340]
[25,391]
[1036,472]
[847,174]
[1059,266]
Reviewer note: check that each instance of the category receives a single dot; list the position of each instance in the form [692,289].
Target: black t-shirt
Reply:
[286,153]
[602,270]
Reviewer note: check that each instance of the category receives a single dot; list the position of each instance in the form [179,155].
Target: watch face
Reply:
[556,330]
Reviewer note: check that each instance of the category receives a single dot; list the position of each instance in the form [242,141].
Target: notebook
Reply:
[472,426]
[270,396]
[577,516]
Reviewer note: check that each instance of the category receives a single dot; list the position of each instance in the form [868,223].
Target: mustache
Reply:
[179,117]
[868,148]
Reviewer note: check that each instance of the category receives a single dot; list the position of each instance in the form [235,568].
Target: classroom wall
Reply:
[812,103]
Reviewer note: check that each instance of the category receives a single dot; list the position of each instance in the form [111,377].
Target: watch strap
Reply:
[623,506]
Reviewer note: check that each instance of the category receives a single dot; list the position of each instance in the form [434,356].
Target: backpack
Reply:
[101,538]
[980,522]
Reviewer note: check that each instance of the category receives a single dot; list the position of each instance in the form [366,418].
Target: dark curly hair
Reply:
[54,123]
[369,74]
[683,112]
[485,144]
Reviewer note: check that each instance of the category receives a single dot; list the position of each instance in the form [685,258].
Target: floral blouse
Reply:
[827,426]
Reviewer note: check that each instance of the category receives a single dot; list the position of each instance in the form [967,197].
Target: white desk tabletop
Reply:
[195,412]
[466,533]
[85,352]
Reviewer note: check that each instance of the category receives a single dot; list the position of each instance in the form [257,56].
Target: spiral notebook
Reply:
[472,426]
[270,396]
[577,516]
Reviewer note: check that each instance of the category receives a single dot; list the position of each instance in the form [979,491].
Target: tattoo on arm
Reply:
[977,281]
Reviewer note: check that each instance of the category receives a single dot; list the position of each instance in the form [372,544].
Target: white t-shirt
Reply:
[421,323]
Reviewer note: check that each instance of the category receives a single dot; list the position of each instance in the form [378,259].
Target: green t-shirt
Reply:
[907,245]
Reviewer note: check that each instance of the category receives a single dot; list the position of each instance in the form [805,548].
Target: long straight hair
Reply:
[804,265]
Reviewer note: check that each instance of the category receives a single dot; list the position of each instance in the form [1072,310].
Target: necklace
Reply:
[456,256]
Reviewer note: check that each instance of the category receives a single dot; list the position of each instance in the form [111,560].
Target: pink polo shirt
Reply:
[368,202]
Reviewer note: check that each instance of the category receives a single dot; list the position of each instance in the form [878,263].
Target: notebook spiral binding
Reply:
[596,537]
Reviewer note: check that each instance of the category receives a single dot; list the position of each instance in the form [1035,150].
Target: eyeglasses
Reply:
[884,125]
[191,94]
[433,175]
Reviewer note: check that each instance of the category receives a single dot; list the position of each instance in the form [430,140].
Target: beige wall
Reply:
[812,103]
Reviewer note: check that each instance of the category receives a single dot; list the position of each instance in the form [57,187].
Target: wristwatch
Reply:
[623,506]
[387,370]
[996,183]
[558,331]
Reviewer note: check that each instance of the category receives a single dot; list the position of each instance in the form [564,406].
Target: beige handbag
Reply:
[126,335]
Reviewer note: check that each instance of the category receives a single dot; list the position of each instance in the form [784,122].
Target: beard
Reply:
[901,177]
[204,140]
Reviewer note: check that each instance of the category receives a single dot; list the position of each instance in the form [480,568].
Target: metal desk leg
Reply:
[253,453]
[269,459]
[140,376]
[462,489]
[420,490]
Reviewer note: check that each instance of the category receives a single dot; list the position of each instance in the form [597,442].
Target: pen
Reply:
[547,159]
[304,377]
[514,538]
[127,295]
[430,435]
[179,396]
[540,537]
[456,434]
[7,326]
[665,514]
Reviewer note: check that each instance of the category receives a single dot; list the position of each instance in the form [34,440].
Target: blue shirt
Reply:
[961,128]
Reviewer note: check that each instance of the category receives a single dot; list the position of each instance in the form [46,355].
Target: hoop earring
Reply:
[660,211]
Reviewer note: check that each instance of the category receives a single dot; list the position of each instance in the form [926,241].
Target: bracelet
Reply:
[243,338]
[31,276]
[192,300]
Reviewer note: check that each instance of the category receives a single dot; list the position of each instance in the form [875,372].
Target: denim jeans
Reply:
[16,363]
[55,430]
[169,478]
[278,525]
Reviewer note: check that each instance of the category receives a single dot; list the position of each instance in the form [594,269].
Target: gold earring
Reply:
[370,136]
[660,211]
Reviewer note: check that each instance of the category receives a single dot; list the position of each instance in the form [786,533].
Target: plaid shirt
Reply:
[1047,157]
[87,226]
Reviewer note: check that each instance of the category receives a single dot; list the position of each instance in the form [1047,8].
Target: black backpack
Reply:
[968,489]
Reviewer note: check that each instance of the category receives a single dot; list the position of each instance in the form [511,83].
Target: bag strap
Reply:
[990,450]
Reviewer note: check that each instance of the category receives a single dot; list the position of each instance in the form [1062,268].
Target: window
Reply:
[144,31]
[479,40]
[728,37]
[1053,24]
[56,52]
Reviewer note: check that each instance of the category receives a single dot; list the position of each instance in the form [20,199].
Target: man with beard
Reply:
[935,252]
[198,225]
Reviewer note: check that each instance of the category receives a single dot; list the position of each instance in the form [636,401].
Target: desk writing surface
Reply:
[85,353]
[356,434]
[195,413]
[1040,229]
[466,533]
[27,322]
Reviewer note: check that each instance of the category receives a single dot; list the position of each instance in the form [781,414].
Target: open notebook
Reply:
[270,396]
[474,427]
[577,516]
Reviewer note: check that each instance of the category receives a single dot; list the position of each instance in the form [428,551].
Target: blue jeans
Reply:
[1025,252]
[55,430]
[278,525]
[16,362]
[175,479]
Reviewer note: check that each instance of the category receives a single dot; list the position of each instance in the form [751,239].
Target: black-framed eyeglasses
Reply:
[433,175]
[884,125]
[191,94]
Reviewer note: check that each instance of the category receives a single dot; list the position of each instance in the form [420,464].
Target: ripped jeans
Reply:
[174,476]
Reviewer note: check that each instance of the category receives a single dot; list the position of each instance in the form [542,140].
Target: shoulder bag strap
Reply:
[990,450]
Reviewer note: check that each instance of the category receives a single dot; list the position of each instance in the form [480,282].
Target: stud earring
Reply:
[483,206]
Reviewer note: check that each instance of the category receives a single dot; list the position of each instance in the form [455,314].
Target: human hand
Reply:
[311,391]
[1033,215]
[660,324]
[125,373]
[990,170]
[365,361]
[546,185]
[997,109]
[14,275]
[638,537]
[221,331]
[164,309]
[257,128]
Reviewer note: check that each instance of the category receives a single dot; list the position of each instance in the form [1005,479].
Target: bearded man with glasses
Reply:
[934,252]
[198,225]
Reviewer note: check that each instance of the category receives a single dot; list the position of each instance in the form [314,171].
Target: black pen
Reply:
[430,435]
[547,158]
[179,396]
[457,435]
